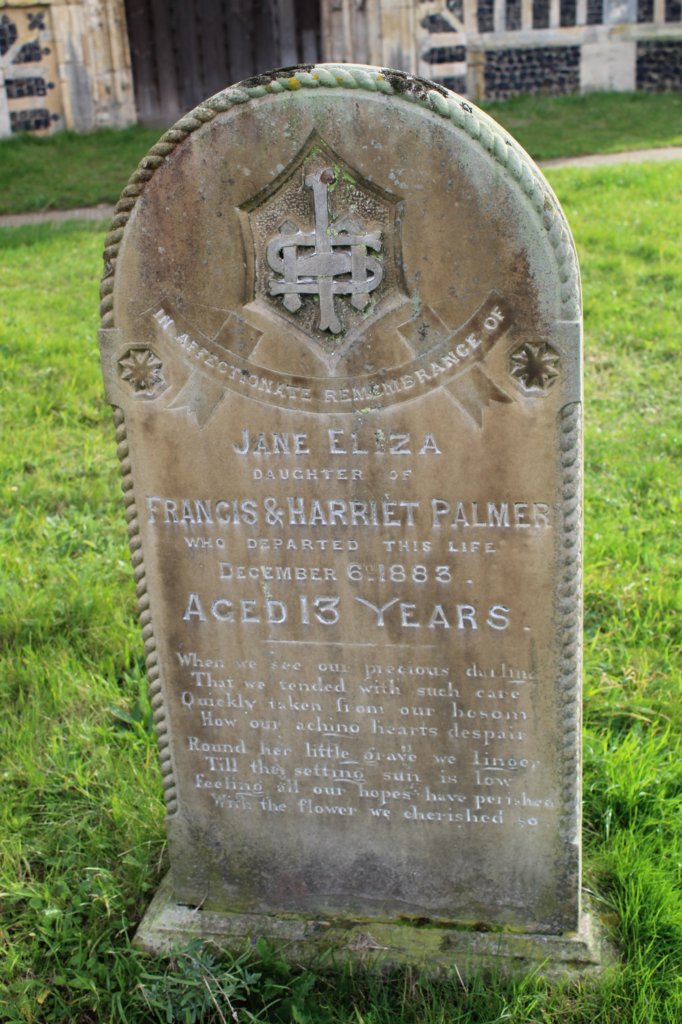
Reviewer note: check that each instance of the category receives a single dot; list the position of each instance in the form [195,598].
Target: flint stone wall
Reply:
[659,66]
[538,70]
[581,45]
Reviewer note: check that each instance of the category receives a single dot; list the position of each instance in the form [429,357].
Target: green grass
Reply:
[67,170]
[598,122]
[81,817]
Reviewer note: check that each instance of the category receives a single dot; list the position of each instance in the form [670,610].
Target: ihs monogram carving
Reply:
[324,253]
[338,264]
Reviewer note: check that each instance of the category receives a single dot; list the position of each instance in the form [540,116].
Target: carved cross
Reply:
[337,265]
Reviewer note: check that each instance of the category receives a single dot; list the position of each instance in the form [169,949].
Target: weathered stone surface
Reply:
[380,944]
[342,337]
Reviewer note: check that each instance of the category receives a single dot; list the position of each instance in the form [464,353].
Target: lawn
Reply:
[598,122]
[68,170]
[81,818]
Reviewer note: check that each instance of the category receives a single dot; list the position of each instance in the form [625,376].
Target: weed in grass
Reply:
[197,985]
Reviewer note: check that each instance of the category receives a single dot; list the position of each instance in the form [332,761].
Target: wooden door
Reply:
[185,50]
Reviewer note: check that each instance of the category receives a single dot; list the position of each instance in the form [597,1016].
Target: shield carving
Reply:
[323,250]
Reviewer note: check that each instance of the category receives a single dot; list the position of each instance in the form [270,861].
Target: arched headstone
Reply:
[341,333]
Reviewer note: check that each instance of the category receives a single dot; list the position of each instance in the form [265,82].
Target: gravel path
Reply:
[104,211]
[630,156]
[16,220]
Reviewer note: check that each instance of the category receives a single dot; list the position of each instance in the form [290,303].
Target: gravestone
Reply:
[341,335]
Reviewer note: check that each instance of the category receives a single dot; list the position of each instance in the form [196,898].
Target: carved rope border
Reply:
[505,151]
[568,612]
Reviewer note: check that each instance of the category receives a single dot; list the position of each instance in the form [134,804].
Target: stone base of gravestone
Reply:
[433,948]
